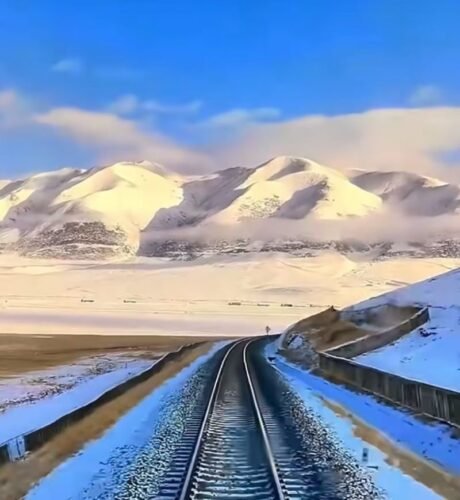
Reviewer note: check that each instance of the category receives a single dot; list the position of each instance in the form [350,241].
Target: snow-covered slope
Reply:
[295,188]
[430,353]
[72,211]
[112,210]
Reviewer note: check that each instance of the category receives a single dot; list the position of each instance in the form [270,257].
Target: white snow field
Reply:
[39,398]
[163,297]
[430,353]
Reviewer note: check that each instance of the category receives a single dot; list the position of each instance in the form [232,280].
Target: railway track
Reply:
[236,447]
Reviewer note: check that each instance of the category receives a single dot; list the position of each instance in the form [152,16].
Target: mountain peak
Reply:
[284,161]
[152,167]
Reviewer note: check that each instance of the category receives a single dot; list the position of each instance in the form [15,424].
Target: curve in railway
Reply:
[232,459]
[241,449]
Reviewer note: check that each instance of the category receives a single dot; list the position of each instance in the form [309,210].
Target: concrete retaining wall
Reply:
[37,438]
[335,364]
[436,402]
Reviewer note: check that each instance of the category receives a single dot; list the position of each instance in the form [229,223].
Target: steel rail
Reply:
[185,490]
[263,430]
[196,450]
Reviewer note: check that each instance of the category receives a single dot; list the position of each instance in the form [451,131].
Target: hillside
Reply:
[99,212]
[413,194]
[131,208]
[294,188]
[430,353]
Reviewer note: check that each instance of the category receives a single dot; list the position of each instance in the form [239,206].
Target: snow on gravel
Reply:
[104,463]
[39,398]
[431,353]
[431,441]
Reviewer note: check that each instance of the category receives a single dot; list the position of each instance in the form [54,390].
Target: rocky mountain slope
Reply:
[127,207]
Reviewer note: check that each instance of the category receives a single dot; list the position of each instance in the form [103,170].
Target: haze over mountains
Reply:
[130,208]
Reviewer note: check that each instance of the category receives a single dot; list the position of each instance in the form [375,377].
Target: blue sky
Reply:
[204,77]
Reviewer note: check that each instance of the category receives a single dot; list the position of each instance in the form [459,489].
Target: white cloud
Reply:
[418,140]
[402,139]
[114,138]
[425,95]
[14,109]
[70,65]
[130,103]
[110,136]
[240,117]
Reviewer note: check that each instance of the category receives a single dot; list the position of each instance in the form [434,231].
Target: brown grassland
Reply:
[23,353]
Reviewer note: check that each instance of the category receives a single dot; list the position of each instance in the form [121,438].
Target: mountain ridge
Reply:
[109,210]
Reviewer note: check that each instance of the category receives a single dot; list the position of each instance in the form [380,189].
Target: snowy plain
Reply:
[192,298]
[39,398]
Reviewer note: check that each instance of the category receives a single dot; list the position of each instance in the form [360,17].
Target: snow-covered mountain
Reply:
[110,210]
[414,194]
[72,212]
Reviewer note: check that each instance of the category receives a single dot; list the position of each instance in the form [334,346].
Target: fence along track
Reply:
[232,456]
[17,446]
[435,402]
